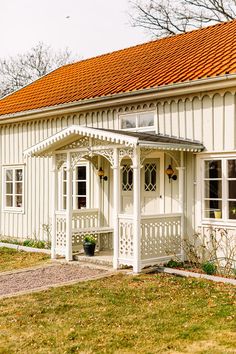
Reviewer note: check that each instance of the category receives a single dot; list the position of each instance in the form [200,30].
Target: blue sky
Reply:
[86,27]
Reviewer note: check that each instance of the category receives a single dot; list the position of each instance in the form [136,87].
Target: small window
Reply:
[127,178]
[79,187]
[231,181]
[13,188]
[139,121]
[150,177]
[213,189]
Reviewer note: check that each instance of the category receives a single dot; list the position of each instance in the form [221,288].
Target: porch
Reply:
[160,236]
[137,236]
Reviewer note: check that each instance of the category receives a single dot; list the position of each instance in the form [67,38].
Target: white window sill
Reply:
[219,222]
[15,211]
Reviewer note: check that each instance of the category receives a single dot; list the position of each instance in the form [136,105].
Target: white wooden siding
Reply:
[206,118]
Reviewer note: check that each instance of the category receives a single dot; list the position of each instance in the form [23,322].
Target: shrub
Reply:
[174,264]
[209,268]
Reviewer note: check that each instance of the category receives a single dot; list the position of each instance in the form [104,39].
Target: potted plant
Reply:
[89,245]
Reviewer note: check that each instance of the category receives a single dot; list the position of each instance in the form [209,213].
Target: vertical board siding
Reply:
[209,119]
[229,113]
[218,117]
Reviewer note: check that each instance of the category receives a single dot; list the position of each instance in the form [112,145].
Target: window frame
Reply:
[224,220]
[13,209]
[74,180]
[137,128]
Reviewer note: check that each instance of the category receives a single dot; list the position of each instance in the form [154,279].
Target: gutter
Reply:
[168,91]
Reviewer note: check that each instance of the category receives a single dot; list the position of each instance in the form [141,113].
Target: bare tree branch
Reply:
[16,72]
[166,17]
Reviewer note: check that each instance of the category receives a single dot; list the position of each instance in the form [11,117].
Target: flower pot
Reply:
[217,214]
[89,249]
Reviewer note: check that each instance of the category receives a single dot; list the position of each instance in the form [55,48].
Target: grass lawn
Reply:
[11,259]
[122,314]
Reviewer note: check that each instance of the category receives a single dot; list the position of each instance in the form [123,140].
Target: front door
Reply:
[150,188]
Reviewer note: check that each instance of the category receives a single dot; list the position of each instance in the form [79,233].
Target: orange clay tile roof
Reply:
[203,53]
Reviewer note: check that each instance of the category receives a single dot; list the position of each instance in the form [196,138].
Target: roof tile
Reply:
[203,53]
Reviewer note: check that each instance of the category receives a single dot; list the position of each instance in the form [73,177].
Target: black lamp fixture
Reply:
[171,173]
[101,175]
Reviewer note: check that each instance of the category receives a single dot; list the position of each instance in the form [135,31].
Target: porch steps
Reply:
[102,259]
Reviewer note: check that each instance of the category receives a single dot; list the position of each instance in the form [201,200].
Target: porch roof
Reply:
[132,139]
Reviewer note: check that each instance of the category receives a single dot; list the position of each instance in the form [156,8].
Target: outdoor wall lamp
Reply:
[171,173]
[101,175]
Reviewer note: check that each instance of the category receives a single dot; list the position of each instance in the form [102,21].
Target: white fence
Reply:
[82,219]
[160,238]
[160,235]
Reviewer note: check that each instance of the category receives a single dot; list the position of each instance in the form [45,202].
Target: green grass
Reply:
[11,259]
[122,314]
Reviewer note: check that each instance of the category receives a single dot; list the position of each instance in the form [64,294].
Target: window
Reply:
[79,187]
[127,178]
[13,188]
[220,189]
[150,177]
[231,183]
[138,121]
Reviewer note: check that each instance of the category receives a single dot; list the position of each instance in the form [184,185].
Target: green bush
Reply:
[209,268]
[174,264]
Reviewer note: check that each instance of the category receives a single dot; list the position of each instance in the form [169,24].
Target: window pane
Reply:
[127,178]
[150,177]
[81,188]
[213,189]
[19,188]
[64,188]
[19,175]
[232,168]
[146,119]
[81,172]
[9,201]
[19,201]
[81,202]
[232,210]
[213,209]
[232,189]
[64,203]
[9,188]
[9,175]
[128,122]
[213,169]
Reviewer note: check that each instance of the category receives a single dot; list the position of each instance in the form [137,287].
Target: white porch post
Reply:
[68,208]
[181,171]
[54,207]
[116,207]
[136,212]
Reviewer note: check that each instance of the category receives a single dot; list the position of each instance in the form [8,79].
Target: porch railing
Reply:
[81,219]
[160,238]
[160,235]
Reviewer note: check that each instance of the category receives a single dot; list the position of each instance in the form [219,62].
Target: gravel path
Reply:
[46,276]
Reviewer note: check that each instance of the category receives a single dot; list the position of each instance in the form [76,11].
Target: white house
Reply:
[87,148]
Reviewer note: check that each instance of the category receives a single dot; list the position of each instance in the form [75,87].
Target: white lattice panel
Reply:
[160,237]
[84,219]
[60,235]
[126,239]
